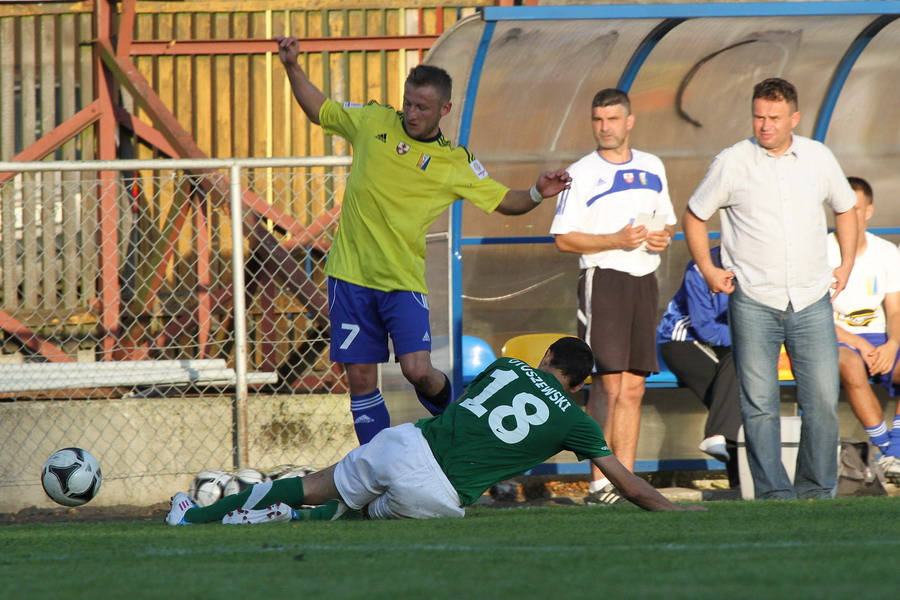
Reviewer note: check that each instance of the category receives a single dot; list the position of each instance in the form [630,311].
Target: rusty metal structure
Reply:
[273,231]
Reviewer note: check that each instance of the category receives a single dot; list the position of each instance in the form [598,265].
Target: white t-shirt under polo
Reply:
[773,225]
[876,272]
[604,197]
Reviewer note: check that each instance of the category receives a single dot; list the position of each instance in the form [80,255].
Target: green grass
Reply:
[827,549]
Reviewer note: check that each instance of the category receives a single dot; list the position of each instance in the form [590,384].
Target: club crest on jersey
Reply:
[402,148]
[628,176]
[423,161]
[479,170]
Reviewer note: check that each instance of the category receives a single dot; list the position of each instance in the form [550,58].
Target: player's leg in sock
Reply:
[894,447]
[330,511]
[432,387]
[856,384]
[407,320]
[367,407]
[370,415]
[879,436]
[260,495]
[437,403]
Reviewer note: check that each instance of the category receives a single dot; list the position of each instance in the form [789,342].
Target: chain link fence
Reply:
[125,328]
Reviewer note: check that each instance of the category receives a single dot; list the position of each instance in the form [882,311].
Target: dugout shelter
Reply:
[524,78]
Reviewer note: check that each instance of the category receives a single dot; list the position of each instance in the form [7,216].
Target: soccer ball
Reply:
[243,479]
[71,476]
[208,486]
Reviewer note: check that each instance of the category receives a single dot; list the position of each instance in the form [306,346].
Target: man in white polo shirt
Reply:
[770,189]
[618,217]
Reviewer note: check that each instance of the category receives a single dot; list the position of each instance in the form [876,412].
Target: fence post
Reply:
[241,444]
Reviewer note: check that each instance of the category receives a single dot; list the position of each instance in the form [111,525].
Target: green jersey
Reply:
[511,418]
[397,188]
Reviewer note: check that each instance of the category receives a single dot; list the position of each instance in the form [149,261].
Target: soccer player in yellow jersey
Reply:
[405,173]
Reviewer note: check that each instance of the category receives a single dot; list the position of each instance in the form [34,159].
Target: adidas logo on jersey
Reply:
[364,419]
[382,137]
[426,337]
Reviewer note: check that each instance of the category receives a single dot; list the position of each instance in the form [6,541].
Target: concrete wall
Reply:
[134,438]
[149,448]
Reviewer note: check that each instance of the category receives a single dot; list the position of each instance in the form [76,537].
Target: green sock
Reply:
[288,490]
[325,512]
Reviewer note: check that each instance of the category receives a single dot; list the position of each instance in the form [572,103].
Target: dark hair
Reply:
[573,357]
[861,185]
[611,97]
[436,77]
[776,89]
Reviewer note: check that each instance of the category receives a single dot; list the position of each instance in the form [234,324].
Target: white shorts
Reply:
[397,477]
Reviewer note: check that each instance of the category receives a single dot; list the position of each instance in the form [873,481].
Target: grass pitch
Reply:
[825,549]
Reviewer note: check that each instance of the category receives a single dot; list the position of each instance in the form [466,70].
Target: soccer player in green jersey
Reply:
[511,418]
[405,173]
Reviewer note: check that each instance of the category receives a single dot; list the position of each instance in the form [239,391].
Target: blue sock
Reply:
[438,403]
[879,436]
[894,448]
[370,415]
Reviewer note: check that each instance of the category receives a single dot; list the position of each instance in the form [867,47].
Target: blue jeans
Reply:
[809,338]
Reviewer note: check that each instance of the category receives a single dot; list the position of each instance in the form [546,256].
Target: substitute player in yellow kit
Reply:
[405,173]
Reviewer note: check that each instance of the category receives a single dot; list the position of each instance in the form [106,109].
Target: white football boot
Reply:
[181,502]
[277,512]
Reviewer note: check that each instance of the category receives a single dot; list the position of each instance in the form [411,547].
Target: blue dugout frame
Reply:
[672,15]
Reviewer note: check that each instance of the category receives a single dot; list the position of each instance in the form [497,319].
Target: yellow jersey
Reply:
[397,188]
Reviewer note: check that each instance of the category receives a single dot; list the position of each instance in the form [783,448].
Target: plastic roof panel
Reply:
[864,131]
[693,92]
[691,69]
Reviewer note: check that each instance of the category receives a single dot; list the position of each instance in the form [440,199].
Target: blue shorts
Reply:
[362,319]
[877,339]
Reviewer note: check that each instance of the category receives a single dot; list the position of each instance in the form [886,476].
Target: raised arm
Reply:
[308,95]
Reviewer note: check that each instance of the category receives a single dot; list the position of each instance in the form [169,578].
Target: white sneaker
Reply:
[714,445]
[607,495]
[891,467]
[277,512]
[181,502]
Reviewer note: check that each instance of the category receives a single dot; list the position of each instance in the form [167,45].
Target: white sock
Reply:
[598,484]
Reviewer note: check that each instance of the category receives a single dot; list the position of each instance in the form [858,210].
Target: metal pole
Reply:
[241,442]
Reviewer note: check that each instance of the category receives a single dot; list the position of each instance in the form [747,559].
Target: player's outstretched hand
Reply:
[288,49]
[553,182]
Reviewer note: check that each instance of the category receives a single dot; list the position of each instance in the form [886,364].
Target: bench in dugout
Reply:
[531,347]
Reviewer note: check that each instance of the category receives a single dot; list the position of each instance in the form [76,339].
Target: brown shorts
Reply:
[617,317]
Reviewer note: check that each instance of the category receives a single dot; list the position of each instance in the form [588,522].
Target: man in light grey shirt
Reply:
[770,189]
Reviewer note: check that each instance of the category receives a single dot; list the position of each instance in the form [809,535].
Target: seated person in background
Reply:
[867,319]
[695,343]
[511,418]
